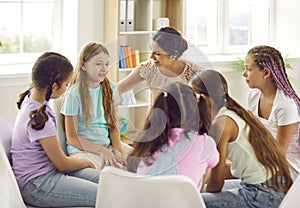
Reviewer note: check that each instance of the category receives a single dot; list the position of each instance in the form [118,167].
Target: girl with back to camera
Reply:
[175,139]
[165,65]
[256,157]
[273,100]
[89,112]
[45,175]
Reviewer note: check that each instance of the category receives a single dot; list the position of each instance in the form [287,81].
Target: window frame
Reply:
[22,58]
[223,30]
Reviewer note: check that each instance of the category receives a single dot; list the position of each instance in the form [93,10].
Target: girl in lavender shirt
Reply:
[175,139]
[45,175]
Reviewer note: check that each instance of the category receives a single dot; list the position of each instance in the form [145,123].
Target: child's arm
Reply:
[226,130]
[284,134]
[115,138]
[59,159]
[205,178]
[71,123]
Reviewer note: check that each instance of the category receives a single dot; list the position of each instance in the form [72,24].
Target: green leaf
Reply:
[238,64]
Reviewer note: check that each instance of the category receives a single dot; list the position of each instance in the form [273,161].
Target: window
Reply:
[27,28]
[228,26]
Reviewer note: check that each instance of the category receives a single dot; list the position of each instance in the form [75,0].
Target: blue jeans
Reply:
[247,195]
[58,189]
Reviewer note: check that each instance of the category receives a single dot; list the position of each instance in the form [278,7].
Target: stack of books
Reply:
[129,58]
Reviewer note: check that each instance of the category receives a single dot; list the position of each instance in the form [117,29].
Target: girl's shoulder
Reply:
[72,89]
[282,97]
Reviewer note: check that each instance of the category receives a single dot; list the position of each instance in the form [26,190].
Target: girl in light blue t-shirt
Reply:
[89,113]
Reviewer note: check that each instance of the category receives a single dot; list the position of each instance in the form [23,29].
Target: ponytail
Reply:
[39,117]
[22,96]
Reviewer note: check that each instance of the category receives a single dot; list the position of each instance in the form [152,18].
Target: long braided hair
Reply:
[48,69]
[266,148]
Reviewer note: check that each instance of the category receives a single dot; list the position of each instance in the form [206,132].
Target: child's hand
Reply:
[121,158]
[107,158]
[90,164]
[87,163]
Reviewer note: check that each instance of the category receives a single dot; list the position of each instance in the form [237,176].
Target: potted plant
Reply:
[239,63]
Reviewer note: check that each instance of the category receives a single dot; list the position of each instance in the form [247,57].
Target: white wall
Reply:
[287,30]
[10,88]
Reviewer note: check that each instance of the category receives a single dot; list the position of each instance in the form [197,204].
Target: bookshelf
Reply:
[137,37]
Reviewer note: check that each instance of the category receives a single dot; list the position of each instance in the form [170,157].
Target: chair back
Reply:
[292,199]
[5,135]
[61,134]
[10,195]
[119,188]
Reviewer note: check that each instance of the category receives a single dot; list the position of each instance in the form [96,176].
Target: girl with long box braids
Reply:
[273,100]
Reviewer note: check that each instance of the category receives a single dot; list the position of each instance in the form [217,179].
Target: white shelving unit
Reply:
[145,14]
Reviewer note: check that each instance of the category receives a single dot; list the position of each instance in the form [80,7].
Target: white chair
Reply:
[10,195]
[118,188]
[292,199]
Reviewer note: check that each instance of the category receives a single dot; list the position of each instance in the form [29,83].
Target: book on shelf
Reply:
[122,62]
[129,57]
[129,97]
[137,57]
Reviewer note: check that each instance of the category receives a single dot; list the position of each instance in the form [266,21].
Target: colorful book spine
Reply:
[129,57]
[123,59]
[137,57]
[133,58]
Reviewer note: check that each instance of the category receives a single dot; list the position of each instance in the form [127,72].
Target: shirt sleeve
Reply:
[71,105]
[287,113]
[148,71]
[213,156]
[49,130]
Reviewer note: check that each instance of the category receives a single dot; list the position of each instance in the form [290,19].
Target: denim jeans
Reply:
[247,195]
[58,189]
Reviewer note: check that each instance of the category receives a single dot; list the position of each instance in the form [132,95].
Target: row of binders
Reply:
[126,15]
[129,58]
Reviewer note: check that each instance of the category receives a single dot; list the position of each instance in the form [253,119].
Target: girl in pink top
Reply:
[175,139]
